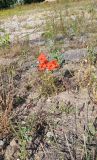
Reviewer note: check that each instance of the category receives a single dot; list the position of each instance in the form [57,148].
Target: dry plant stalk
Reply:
[6,106]
[5,115]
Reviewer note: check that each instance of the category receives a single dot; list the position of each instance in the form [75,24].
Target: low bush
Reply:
[7,3]
[30,1]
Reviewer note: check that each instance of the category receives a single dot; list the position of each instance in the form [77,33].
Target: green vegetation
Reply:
[30,1]
[7,4]
[12,3]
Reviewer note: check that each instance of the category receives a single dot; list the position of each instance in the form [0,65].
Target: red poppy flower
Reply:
[42,66]
[42,58]
[52,65]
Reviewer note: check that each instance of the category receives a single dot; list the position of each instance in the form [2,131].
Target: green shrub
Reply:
[30,1]
[7,3]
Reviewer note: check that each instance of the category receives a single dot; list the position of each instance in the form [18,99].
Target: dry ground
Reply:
[49,115]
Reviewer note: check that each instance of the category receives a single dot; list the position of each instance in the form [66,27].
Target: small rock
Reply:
[50,134]
[23,122]
[9,153]
[59,37]
[13,143]
[11,149]
[73,17]
[48,100]
[1,144]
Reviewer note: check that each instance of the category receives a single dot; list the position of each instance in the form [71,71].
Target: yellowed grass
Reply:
[23,9]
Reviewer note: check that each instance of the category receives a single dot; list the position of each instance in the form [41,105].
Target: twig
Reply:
[69,148]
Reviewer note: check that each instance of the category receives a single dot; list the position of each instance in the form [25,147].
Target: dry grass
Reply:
[50,114]
[24,9]
[6,100]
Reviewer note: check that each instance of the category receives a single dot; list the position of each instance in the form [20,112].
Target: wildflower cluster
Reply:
[45,64]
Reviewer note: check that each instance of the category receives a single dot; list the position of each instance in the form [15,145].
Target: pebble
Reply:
[1,143]
[48,100]
[50,134]
[23,122]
